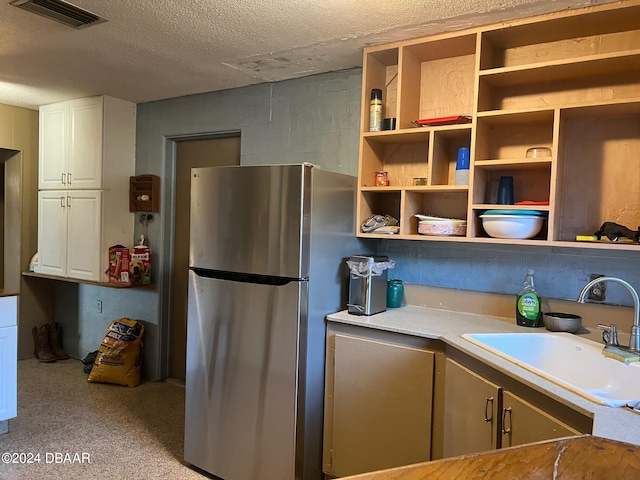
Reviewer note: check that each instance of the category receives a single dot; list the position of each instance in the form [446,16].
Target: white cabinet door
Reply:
[69,233]
[8,357]
[52,232]
[85,143]
[53,146]
[84,234]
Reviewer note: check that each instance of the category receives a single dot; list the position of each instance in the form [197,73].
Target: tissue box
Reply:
[130,266]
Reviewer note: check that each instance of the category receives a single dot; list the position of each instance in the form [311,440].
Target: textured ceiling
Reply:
[155,49]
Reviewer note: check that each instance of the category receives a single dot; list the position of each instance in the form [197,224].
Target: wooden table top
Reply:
[581,457]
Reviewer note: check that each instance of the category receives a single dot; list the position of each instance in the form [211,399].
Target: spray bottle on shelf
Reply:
[528,311]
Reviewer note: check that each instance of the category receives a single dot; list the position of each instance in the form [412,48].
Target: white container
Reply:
[512,226]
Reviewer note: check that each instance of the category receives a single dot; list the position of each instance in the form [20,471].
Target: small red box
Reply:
[119,264]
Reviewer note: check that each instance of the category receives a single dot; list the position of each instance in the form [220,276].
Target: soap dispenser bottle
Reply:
[528,312]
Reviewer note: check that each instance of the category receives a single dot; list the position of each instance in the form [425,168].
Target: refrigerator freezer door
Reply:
[242,378]
[249,219]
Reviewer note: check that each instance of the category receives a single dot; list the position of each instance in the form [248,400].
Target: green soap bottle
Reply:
[528,311]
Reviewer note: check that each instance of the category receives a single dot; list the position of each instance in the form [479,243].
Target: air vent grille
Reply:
[60,11]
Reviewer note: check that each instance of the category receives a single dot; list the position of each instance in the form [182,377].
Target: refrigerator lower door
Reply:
[241,380]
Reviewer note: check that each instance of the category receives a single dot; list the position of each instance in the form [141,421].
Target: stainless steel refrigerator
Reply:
[267,264]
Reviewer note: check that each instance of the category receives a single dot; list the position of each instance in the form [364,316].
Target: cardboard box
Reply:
[130,266]
[119,261]
[140,265]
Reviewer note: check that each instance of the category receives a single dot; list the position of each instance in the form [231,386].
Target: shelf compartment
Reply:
[445,153]
[598,88]
[437,78]
[381,71]
[601,169]
[509,136]
[575,35]
[403,160]
[532,184]
[570,69]
[378,202]
[451,203]
[477,231]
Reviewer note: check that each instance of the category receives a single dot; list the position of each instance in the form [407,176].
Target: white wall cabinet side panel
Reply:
[8,357]
[85,143]
[83,235]
[52,232]
[53,146]
[8,372]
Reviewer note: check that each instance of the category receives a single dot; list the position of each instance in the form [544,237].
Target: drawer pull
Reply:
[488,410]
[505,430]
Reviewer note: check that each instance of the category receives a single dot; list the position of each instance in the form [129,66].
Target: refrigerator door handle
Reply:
[244,277]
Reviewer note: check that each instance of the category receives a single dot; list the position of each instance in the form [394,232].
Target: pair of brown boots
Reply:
[46,341]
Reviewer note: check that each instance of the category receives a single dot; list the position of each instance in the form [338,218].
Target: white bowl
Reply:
[512,226]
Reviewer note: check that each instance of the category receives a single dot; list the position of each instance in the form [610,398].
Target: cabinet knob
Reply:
[62,204]
[69,178]
[488,409]
[64,178]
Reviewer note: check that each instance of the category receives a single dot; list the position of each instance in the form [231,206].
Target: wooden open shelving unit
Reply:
[569,81]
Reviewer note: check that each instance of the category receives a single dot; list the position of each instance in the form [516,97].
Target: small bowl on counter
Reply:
[562,322]
[429,225]
[512,224]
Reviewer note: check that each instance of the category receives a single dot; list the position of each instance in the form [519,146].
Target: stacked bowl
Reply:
[516,224]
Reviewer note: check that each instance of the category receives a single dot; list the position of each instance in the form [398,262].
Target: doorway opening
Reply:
[190,153]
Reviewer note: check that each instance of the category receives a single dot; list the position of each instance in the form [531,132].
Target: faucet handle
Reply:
[609,334]
[634,339]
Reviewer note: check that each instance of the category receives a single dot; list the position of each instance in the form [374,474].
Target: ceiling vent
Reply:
[60,11]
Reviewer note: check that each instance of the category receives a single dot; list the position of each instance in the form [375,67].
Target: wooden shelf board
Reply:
[514,164]
[493,206]
[511,117]
[407,135]
[569,69]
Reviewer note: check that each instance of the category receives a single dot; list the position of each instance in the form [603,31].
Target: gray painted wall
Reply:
[313,119]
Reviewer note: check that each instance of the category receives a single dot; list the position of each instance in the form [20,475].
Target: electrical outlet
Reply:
[599,291]
[99,306]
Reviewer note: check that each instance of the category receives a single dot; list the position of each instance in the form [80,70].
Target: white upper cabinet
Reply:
[88,143]
[85,143]
[54,145]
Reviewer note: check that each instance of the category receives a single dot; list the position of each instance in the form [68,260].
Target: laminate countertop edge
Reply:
[447,326]
[568,458]
[7,293]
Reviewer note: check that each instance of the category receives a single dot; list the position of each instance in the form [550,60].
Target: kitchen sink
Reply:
[572,362]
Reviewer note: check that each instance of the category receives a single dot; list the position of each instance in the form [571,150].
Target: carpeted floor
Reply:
[72,429]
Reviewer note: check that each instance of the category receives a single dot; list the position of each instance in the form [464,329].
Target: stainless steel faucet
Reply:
[634,340]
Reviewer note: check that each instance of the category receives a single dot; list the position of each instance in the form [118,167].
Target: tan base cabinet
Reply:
[479,415]
[378,407]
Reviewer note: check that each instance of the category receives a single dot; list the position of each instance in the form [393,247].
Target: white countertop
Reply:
[447,326]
